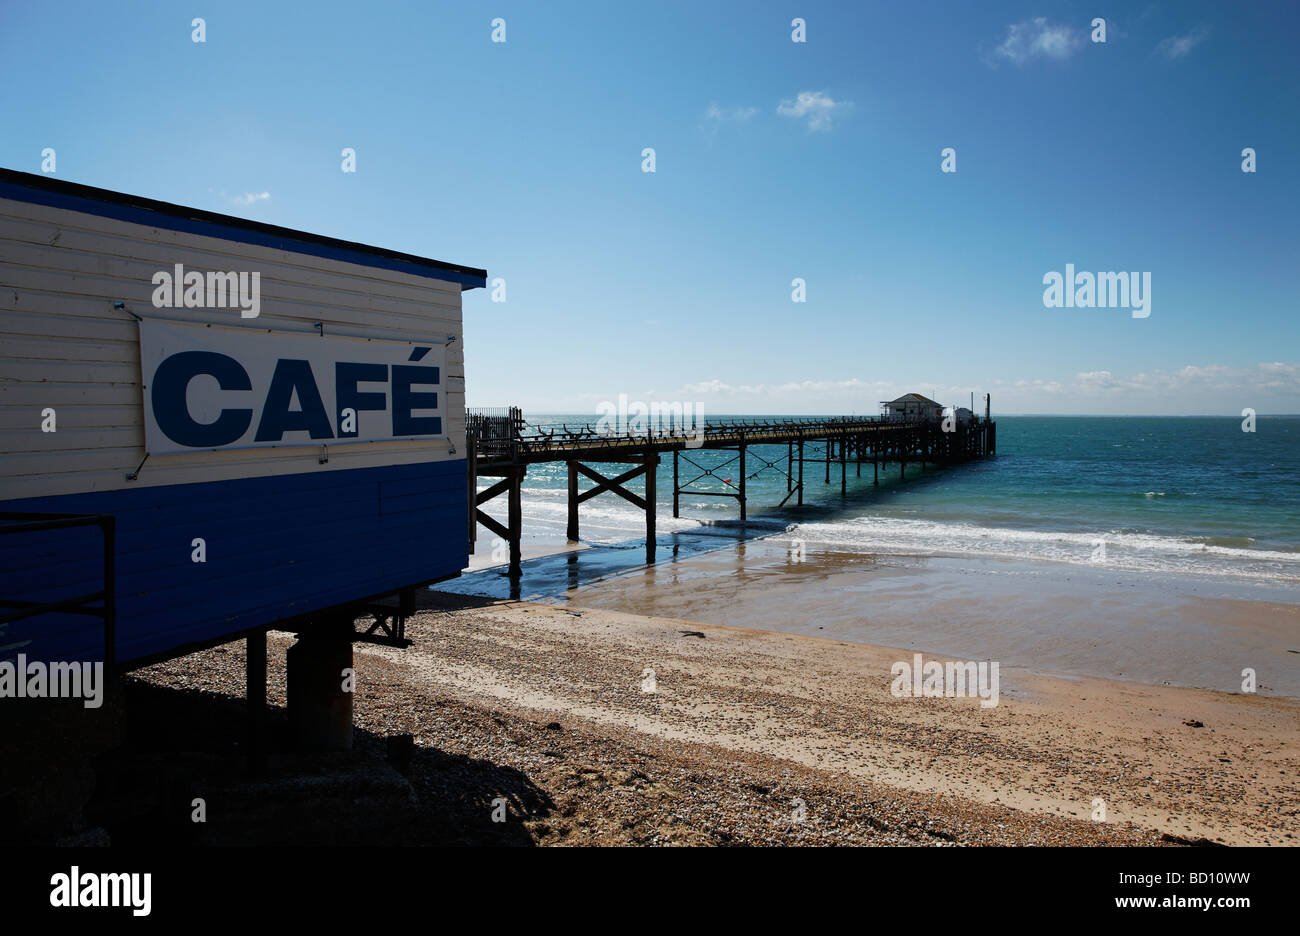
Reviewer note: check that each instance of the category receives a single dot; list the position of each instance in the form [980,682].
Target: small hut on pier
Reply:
[912,406]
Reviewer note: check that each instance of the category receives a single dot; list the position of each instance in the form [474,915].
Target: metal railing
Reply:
[13,522]
[497,437]
[493,426]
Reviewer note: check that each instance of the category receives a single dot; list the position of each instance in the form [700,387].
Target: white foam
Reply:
[1123,550]
[609,519]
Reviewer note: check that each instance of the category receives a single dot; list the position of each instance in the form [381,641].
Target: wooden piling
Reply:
[676,490]
[801,472]
[573,503]
[651,471]
[742,479]
[516,520]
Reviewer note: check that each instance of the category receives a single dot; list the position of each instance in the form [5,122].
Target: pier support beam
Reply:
[573,503]
[649,467]
[677,492]
[255,701]
[742,482]
[512,482]
[516,520]
[651,472]
[801,472]
[320,710]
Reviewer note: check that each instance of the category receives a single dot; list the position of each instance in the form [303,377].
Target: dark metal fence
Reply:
[495,427]
[14,522]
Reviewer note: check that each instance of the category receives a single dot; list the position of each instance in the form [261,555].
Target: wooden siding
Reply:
[63,345]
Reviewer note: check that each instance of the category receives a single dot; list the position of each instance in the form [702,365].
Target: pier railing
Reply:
[529,442]
[493,427]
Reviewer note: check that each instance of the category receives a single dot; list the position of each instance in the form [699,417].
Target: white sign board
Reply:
[217,387]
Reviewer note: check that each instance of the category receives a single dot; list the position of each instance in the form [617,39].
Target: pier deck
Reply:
[503,445]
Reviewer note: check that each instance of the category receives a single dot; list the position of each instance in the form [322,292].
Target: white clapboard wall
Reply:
[64,345]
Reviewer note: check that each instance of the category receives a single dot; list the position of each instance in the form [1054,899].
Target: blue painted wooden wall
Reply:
[276,547]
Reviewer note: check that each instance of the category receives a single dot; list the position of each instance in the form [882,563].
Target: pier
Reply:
[502,444]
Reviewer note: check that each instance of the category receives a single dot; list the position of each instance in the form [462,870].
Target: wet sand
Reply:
[1054,617]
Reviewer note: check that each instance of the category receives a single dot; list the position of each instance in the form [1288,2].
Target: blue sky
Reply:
[774,160]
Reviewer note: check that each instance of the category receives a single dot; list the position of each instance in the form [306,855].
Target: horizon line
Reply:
[995,415]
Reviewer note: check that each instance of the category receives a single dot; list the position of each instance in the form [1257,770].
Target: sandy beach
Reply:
[758,737]
[1083,619]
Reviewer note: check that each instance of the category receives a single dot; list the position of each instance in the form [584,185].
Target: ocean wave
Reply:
[1124,549]
[610,520]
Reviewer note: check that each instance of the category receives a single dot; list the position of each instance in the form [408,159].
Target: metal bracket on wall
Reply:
[122,307]
[134,475]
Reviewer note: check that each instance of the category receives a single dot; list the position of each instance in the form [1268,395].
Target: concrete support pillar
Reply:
[320,711]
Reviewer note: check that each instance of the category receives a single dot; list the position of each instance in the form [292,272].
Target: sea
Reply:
[1152,518]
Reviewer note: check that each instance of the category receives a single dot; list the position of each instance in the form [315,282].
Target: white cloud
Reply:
[1176,47]
[790,388]
[716,114]
[708,386]
[817,107]
[1217,378]
[248,198]
[1269,386]
[1279,376]
[1037,39]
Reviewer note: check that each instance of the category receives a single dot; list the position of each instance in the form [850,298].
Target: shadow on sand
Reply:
[184,751]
